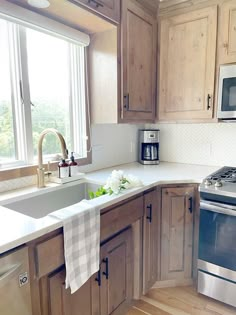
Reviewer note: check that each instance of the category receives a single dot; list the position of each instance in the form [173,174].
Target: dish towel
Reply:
[81,224]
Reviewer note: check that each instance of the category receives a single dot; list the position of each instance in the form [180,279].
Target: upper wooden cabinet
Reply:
[107,8]
[227,32]
[187,65]
[138,58]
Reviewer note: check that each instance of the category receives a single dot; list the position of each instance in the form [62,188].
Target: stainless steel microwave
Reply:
[227,93]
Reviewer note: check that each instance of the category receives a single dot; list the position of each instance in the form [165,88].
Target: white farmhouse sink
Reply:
[44,203]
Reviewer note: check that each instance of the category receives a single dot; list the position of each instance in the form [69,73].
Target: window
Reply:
[42,82]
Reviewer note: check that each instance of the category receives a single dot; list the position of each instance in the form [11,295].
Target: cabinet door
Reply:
[139,63]
[177,233]
[150,240]
[116,273]
[107,8]
[227,29]
[62,302]
[187,65]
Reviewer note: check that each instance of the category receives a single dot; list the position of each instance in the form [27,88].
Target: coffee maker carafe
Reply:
[149,146]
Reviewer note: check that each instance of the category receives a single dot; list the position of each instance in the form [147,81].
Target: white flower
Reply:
[117,174]
[117,181]
[113,185]
[133,181]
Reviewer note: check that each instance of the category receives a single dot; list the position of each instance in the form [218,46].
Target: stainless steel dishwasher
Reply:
[15,298]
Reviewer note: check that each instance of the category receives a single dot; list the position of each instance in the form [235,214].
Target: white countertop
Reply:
[17,229]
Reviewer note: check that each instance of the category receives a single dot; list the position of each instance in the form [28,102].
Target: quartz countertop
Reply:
[17,229]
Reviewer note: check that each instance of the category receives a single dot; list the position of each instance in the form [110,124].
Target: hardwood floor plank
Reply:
[150,308]
[165,307]
[179,301]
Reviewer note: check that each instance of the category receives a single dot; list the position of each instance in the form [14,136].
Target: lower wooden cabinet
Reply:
[62,302]
[116,274]
[150,239]
[177,233]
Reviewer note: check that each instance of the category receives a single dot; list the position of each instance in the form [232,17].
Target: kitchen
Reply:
[200,141]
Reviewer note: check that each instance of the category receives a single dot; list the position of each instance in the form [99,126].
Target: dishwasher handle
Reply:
[11,273]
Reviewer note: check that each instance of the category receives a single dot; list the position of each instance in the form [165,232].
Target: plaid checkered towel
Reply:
[81,224]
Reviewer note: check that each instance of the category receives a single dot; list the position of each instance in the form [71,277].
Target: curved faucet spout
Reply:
[40,169]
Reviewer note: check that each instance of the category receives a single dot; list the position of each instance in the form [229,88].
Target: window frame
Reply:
[19,73]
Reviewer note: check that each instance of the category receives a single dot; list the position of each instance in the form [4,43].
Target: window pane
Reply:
[7,144]
[48,60]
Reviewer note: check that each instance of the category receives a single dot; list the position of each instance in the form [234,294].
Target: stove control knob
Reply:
[218,183]
[208,182]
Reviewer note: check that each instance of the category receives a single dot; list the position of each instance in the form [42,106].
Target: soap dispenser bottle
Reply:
[63,167]
[73,165]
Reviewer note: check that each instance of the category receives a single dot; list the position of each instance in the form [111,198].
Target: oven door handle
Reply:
[217,207]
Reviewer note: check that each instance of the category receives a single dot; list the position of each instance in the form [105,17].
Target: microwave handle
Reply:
[208,101]
[218,208]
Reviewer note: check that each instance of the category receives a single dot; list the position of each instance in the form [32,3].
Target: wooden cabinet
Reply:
[116,274]
[108,8]
[177,214]
[227,32]
[138,58]
[62,302]
[187,65]
[150,239]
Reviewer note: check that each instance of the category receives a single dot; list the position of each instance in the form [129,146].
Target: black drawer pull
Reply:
[149,217]
[190,204]
[98,278]
[106,273]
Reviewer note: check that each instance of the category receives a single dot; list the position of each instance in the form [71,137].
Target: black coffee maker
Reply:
[149,146]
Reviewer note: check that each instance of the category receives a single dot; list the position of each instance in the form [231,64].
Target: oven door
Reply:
[217,234]
[227,92]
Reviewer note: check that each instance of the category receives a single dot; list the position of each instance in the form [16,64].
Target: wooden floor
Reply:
[178,301]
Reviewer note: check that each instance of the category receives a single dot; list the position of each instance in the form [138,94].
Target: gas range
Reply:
[217,234]
[220,186]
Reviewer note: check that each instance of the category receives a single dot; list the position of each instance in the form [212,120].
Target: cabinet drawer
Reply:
[107,8]
[118,218]
[49,255]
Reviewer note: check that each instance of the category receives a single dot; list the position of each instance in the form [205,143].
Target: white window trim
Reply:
[27,18]
[22,108]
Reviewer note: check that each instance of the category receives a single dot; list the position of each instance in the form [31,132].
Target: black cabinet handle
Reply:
[126,101]
[98,4]
[106,273]
[208,101]
[98,278]
[190,204]
[149,217]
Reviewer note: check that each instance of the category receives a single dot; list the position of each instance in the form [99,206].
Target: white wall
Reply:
[204,144]
[113,144]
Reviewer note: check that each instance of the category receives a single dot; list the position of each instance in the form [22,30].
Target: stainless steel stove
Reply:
[217,236]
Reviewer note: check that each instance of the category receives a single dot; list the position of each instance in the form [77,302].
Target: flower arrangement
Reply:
[115,183]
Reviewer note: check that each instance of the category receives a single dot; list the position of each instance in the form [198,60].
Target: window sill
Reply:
[30,170]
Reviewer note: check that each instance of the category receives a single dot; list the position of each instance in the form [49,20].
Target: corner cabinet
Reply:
[138,59]
[151,224]
[187,65]
[227,30]
[178,209]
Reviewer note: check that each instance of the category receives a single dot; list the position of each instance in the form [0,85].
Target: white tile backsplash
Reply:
[204,144]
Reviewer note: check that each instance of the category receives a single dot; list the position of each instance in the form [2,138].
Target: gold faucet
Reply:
[41,169]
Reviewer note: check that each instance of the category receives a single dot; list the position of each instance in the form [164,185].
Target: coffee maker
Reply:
[149,146]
